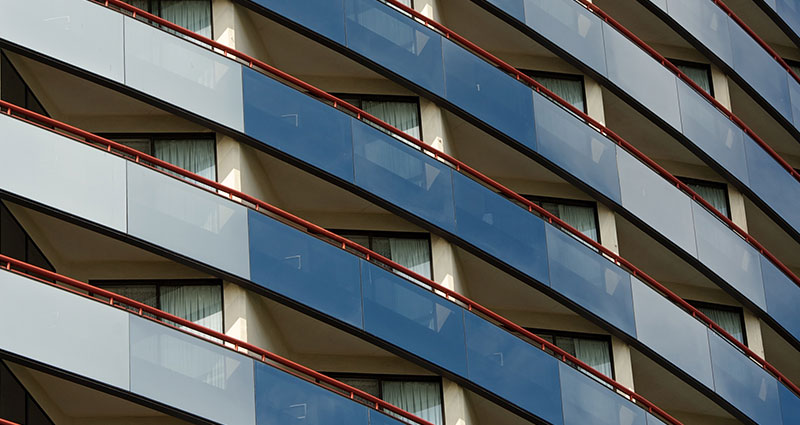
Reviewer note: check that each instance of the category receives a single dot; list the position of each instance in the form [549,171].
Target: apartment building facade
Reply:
[449,212]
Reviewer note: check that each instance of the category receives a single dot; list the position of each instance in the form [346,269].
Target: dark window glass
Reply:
[410,250]
[700,73]
[194,15]
[402,112]
[581,215]
[12,396]
[727,317]
[36,415]
[566,86]
[15,242]
[196,153]
[715,193]
[13,88]
[418,396]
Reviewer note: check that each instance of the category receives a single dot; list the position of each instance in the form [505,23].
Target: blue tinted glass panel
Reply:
[760,71]
[652,420]
[513,369]
[590,280]
[728,255]
[789,11]
[285,399]
[377,418]
[670,332]
[574,146]
[794,97]
[325,17]
[489,94]
[743,383]
[783,297]
[500,228]
[297,124]
[397,42]
[305,269]
[790,405]
[413,318]
[773,184]
[512,7]
[587,401]
[641,76]
[570,26]
[403,175]
[706,22]
[713,132]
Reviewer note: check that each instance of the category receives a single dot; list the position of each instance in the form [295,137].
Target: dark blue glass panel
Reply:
[773,184]
[706,22]
[489,94]
[790,405]
[513,369]
[641,76]
[304,269]
[783,297]
[587,278]
[673,334]
[396,42]
[588,402]
[712,131]
[297,124]
[403,175]
[794,97]
[376,418]
[760,71]
[728,255]
[413,319]
[570,26]
[789,11]
[500,228]
[325,17]
[743,383]
[512,7]
[574,146]
[285,399]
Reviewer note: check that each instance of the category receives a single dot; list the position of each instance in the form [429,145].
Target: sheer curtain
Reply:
[594,352]
[413,253]
[567,89]
[577,216]
[194,15]
[201,304]
[716,196]
[698,74]
[729,320]
[196,155]
[423,399]
[403,115]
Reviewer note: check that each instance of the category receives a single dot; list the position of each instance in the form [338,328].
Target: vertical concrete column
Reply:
[246,317]
[446,270]
[623,369]
[428,8]
[457,410]
[223,19]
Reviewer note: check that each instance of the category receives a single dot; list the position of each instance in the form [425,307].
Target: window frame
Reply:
[681,62]
[718,185]
[723,307]
[384,98]
[389,234]
[533,73]
[571,202]
[154,137]
[582,335]
[157,11]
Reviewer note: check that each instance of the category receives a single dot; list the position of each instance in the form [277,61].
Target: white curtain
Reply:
[579,217]
[196,156]
[403,115]
[201,304]
[698,74]
[716,196]
[567,89]
[594,352]
[423,399]
[408,252]
[194,15]
[729,320]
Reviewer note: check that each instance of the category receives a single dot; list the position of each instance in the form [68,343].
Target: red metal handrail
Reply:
[345,244]
[5,422]
[146,311]
[491,183]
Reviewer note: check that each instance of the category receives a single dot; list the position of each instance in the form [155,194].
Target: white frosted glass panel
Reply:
[187,220]
[191,374]
[61,173]
[184,74]
[64,330]
[78,32]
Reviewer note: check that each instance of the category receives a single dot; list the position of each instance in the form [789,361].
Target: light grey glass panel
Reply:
[63,330]
[191,374]
[729,256]
[707,22]
[586,401]
[672,333]
[641,76]
[656,202]
[75,31]
[64,174]
[183,73]
[187,220]
[794,99]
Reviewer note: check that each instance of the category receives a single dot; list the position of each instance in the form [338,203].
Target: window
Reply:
[16,404]
[700,73]
[715,193]
[567,86]
[199,301]
[581,215]
[418,395]
[411,250]
[401,112]
[13,88]
[193,152]
[194,15]
[793,65]
[594,350]
[15,242]
[727,317]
